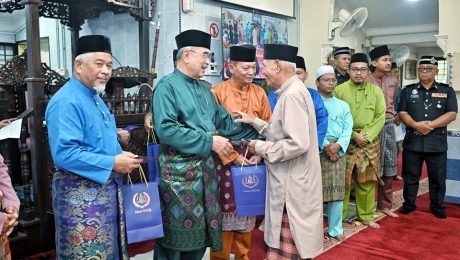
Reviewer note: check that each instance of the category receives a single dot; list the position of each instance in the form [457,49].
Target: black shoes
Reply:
[406,210]
[439,213]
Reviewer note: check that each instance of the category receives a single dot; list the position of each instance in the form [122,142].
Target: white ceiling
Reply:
[398,22]
[11,23]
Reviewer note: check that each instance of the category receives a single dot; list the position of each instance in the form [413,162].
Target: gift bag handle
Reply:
[141,174]
[244,160]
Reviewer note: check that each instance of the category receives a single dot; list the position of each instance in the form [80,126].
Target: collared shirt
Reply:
[341,78]
[339,123]
[82,133]
[185,113]
[321,112]
[367,106]
[389,85]
[427,105]
[250,99]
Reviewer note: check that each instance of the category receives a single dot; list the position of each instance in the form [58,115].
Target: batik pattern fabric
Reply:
[189,201]
[333,178]
[230,220]
[89,218]
[366,162]
[388,149]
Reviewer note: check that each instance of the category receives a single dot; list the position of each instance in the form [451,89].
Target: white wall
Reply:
[448,25]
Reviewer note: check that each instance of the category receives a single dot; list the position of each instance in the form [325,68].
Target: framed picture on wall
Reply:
[240,28]
[410,67]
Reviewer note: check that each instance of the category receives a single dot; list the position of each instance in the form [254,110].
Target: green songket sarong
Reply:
[189,201]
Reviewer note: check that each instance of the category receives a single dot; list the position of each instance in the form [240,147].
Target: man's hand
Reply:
[334,157]
[220,145]
[397,120]
[148,125]
[252,146]
[11,220]
[255,159]
[240,161]
[124,136]
[126,162]
[6,122]
[242,117]
[331,149]
[423,128]
[360,139]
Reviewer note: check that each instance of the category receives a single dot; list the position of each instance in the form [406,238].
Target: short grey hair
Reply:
[291,66]
[181,51]
[85,57]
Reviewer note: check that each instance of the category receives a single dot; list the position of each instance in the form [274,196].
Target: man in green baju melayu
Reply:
[191,125]
[367,106]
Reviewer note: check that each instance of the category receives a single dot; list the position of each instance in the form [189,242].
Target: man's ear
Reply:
[374,63]
[231,67]
[77,66]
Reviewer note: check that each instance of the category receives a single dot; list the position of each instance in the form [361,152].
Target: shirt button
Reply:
[426,115]
[426,100]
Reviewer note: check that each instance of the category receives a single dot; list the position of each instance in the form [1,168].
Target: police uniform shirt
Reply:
[341,78]
[427,105]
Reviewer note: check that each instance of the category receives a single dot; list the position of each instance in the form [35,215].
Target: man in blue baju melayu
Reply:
[87,199]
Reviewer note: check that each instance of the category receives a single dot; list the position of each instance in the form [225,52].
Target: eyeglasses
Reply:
[204,55]
[425,69]
[331,80]
[360,70]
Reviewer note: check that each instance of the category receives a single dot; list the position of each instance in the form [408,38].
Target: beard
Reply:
[100,89]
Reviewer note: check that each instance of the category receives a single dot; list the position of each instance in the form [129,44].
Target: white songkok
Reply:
[324,70]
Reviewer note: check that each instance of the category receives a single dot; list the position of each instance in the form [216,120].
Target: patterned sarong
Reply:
[388,149]
[230,221]
[366,162]
[333,178]
[89,218]
[287,248]
[189,201]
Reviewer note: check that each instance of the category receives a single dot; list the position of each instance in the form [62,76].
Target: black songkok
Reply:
[193,38]
[93,43]
[378,52]
[244,53]
[359,57]
[300,63]
[282,52]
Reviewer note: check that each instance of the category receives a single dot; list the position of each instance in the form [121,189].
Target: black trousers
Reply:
[411,171]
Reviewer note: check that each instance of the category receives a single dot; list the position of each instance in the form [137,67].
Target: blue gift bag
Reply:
[142,205]
[249,184]
[152,152]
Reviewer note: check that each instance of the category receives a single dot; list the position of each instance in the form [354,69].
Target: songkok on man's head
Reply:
[175,55]
[282,52]
[428,60]
[359,57]
[378,52]
[193,38]
[342,50]
[93,43]
[300,63]
[324,70]
[244,53]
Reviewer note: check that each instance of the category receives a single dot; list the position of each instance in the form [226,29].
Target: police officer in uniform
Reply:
[342,58]
[426,108]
